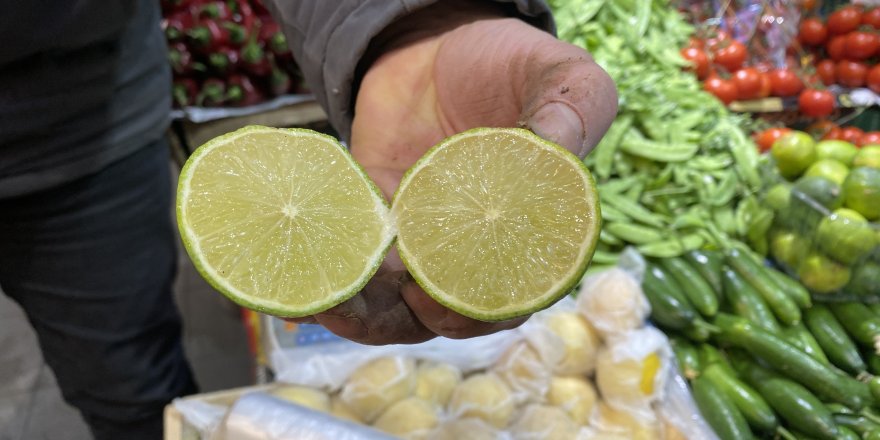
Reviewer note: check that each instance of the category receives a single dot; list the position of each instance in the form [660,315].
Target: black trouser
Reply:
[92,264]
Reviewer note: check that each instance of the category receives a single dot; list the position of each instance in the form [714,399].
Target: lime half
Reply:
[282,221]
[496,223]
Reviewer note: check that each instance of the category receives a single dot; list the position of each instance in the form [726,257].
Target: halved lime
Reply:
[282,221]
[496,222]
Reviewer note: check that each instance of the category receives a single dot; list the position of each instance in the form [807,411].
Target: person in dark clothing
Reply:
[87,245]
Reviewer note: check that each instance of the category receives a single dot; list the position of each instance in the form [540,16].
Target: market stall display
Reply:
[753,308]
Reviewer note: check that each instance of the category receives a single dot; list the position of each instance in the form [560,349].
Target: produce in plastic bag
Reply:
[613,302]
[435,381]
[305,396]
[469,428]
[543,422]
[579,339]
[615,422]
[377,384]
[484,396]
[575,395]
[410,418]
[631,370]
[339,409]
[524,371]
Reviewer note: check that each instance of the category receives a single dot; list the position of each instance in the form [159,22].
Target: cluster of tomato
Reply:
[721,62]
[823,129]
[846,45]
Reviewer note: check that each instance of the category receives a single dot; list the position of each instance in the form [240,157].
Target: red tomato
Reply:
[766,86]
[836,48]
[784,82]
[813,32]
[861,45]
[748,83]
[698,58]
[695,42]
[869,138]
[834,134]
[851,73]
[851,134]
[808,5]
[843,20]
[731,56]
[816,103]
[873,78]
[822,128]
[725,90]
[872,18]
[766,138]
[827,71]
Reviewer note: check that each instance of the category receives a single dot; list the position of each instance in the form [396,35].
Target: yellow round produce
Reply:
[841,151]
[788,247]
[822,274]
[613,421]
[579,339]
[830,169]
[793,153]
[523,370]
[574,394]
[613,302]
[435,382]
[377,385]
[304,396]
[467,428]
[868,156]
[484,396]
[543,422]
[410,418]
[861,192]
[340,410]
[846,236]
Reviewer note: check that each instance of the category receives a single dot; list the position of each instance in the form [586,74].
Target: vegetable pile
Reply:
[675,169]
[226,53]
[762,358]
[845,45]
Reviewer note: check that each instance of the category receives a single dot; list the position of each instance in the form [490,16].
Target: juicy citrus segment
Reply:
[281,221]
[497,223]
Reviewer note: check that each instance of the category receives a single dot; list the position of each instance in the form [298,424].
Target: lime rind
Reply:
[277,308]
[565,284]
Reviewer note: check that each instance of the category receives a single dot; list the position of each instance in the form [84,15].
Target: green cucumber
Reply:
[687,357]
[746,302]
[718,410]
[792,288]
[753,407]
[803,339]
[783,307]
[859,321]
[792,362]
[833,339]
[697,290]
[708,264]
[856,422]
[669,307]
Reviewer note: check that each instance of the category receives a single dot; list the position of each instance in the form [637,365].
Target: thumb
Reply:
[567,97]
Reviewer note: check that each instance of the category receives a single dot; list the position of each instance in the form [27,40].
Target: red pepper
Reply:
[184,92]
[279,82]
[224,59]
[254,59]
[241,91]
[244,15]
[180,58]
[215,10]
[213,93]
[209,35]
[176,24]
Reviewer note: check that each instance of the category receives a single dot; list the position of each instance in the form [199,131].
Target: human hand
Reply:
[478,70]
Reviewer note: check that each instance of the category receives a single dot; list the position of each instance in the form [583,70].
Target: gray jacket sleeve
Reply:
[329,37]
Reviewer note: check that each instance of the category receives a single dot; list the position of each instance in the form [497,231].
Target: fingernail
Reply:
[559,123]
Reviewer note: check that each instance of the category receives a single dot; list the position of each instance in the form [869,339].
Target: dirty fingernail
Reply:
[559,123]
